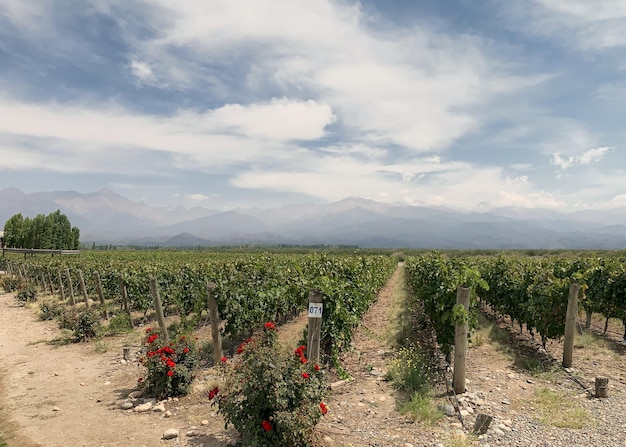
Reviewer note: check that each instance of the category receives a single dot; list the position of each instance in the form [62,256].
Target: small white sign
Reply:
[316,310]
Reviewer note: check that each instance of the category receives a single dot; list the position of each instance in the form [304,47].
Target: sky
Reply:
[462,104]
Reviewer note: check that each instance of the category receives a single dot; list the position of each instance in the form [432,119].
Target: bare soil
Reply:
[69,395]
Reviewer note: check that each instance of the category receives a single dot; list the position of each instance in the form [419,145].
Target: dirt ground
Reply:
[69,395]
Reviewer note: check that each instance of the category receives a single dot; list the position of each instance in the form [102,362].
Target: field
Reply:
[60,393]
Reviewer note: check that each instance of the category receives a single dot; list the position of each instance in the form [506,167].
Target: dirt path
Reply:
[364,412]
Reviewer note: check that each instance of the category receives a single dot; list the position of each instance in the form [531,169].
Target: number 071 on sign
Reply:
[316,310]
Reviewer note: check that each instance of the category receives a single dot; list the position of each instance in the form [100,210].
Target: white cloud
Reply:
[280,119]
[196,197]
[591,25]
[410,87]
[142,71]
[592,155]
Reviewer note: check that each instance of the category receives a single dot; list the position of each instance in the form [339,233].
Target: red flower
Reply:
[148,330]
[303,359]
[305,375]
[182,338]
[317,367]
[240,348]
[300,351]
[186,350]
[323,407]
[224,359]
[140,380]
[267,425]
[170,363]
[270,326]
[152,338]
[213,393]
[170,373]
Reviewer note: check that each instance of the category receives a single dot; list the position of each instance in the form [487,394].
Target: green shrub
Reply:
[87,325]
[26,293]
[49,311]
[170,366]
[10,284]
[119,324]
[270,395]
[409,371]
[68,318]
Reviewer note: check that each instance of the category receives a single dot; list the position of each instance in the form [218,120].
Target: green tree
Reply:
[14,231]
[53,231]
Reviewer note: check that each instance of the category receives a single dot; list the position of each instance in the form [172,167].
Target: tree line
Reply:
[53,231]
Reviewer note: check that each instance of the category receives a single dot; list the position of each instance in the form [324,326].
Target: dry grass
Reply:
[560,409]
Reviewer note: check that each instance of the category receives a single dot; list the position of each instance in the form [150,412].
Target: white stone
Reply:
[144,407]
[159,408]
[172,433]
[127,405]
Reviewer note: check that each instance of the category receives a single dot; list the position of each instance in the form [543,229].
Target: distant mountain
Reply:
[107,217]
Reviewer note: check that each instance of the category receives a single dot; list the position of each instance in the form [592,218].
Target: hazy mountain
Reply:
[107,217]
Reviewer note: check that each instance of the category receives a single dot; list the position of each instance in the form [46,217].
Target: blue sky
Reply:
[457,103]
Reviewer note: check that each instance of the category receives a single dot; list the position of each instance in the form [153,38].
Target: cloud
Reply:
[142,72]
[591,25]
[592,155]
[406,86]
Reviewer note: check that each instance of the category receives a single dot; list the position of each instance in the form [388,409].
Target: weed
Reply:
[101,346]
[422,408]
[460,441]
[119,324]
[559,409]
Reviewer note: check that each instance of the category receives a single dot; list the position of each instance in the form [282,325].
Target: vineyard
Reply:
[250,289]
[533,291]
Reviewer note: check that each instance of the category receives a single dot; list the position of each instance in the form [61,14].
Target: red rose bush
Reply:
[271,395]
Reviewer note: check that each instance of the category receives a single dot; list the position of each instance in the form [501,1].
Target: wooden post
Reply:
[588,319]
[482,424]
[70,286]
[215,322]
[602,387]
[154,287]
[570,324]
[96,277]
[316,310]
[61,289]
[125,303]
[81,281]
[39,281]
[126,353]
[51,280]
[460,342]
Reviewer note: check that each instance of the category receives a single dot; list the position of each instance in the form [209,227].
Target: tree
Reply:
[53,231]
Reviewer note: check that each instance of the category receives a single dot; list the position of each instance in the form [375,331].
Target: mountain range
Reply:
[105,217]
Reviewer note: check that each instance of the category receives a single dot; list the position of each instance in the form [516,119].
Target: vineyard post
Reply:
[40,281]
[61,290]
[215,321]
[460,342]
[316,309]
[125,302]
[70,286]
[154,287]
[588,317]
[51,280]
[83,288]
[570,324]
[96,278]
